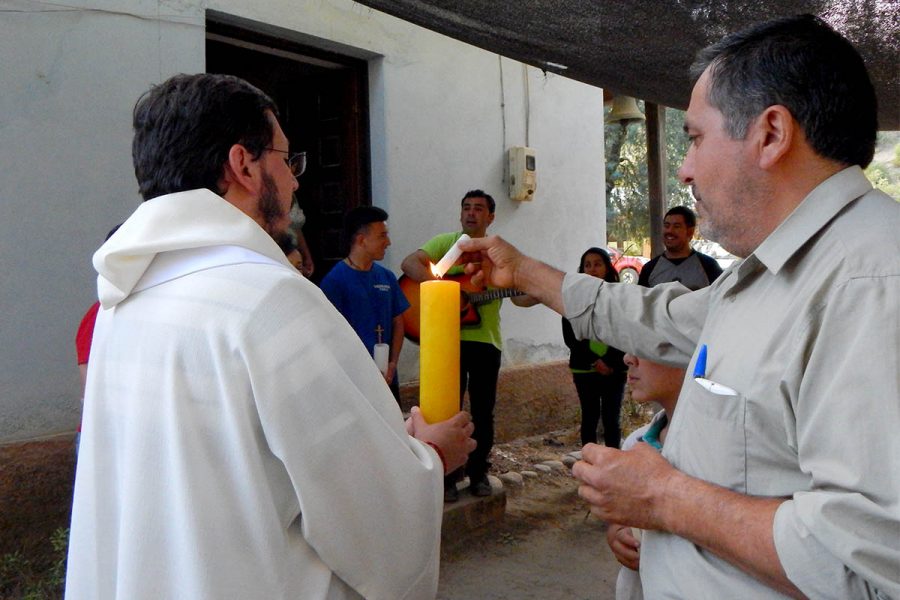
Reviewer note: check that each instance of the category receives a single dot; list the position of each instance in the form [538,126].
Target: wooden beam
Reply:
[656,171]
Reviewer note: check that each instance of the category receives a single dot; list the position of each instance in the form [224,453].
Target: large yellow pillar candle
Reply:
[439,350]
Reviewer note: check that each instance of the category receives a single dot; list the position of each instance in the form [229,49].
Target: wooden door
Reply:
[322,102]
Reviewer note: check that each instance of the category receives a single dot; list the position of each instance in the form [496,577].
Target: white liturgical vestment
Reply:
[238,440]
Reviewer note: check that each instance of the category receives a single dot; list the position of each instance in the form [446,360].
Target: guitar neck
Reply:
[491,295]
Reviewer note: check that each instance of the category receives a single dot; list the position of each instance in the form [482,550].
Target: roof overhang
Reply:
[643,48]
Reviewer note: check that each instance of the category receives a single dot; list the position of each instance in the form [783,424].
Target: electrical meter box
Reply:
[522,173]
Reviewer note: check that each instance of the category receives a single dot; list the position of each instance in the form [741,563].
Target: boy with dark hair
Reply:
[366,293]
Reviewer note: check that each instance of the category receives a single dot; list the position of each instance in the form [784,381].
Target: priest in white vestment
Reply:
[238,440]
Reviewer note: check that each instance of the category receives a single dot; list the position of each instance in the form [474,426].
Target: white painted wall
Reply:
[71,77]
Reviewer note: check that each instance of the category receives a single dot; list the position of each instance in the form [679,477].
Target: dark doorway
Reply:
[322,101]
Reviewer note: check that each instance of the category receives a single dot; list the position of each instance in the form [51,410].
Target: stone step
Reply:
[470,513]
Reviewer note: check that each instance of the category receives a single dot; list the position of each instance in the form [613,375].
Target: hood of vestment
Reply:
[168,225]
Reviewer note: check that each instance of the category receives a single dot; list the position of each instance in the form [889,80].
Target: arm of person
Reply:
[640,488]
[308,264]
[396,345]
[644,276]
[524,301]
[662,322]
[416,266]
[331,423]
[841,537]
[710,267]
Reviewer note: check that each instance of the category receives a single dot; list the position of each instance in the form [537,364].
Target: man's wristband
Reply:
[440,455]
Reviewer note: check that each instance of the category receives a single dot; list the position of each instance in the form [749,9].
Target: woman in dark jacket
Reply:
[597,369]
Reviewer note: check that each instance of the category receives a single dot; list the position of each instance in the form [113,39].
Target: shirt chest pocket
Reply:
[708,437]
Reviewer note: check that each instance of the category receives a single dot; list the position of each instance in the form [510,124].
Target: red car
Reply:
[628,267]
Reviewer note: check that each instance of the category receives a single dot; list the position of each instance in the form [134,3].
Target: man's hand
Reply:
[453,436]
[624,487]
[493,261]
[625,547]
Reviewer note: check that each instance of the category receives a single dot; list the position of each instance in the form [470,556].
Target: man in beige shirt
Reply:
[781,471]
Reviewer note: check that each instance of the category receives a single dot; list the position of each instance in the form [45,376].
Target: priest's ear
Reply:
[242,171]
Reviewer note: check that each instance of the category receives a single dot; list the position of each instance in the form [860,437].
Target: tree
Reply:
[627,206]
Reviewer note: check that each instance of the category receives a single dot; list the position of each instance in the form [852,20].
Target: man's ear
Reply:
[776,130]
[242,170]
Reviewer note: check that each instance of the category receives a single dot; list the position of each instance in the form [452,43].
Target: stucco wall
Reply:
[440,124]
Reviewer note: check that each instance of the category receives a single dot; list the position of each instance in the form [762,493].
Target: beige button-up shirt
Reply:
[806,331]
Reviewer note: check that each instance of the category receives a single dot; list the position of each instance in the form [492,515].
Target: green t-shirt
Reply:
[488,330]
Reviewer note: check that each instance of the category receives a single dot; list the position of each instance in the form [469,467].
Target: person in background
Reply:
[295,232]
[679,262]
[366,293]
[597,369]
[649,382]
[290,250]
[83,339]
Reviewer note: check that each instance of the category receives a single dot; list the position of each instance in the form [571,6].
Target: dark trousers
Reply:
[600,396]
[479,367]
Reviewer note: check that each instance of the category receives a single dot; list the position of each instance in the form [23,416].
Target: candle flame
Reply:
[435,272]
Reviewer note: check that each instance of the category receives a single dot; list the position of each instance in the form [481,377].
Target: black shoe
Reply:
[480,487]
[451,494]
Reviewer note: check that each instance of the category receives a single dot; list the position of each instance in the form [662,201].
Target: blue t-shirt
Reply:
[367,299]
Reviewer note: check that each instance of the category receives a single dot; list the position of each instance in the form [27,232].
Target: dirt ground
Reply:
[547,545]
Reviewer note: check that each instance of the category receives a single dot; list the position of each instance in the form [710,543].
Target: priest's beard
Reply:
[275,217]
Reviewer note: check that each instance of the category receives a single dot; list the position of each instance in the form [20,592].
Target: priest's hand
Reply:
[453,437]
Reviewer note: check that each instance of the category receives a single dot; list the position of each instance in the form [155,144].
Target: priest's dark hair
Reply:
[804,65]
[185,127]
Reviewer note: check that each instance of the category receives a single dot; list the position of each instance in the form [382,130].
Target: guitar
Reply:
[472,297]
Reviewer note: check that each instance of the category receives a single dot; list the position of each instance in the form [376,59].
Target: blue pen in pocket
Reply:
[700,376]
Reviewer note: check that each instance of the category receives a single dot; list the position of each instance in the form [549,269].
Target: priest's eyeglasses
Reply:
[296,162]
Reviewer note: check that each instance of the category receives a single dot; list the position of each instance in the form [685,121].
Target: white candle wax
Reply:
[381,357]
[450,258]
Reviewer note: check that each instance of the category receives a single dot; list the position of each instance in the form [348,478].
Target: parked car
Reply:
[628,267]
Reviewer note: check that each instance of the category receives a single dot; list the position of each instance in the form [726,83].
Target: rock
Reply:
[576,455]
[569,460]
[512,478]
[542,468]
[554,464]
[496,483]
[529,474]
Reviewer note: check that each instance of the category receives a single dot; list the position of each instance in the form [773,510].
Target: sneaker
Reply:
[480,487]
[451,494]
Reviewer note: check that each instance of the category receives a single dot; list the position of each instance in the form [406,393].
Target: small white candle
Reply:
[381,357]
[450,258]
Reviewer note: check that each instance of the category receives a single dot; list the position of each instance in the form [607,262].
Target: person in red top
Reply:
[83,345]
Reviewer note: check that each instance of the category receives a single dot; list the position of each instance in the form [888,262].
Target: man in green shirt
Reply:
[480,344]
